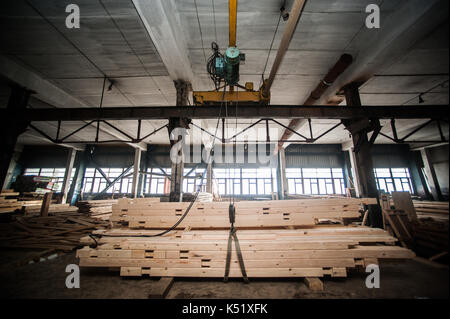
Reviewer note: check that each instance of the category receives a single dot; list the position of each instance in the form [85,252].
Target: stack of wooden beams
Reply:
[270,250]
[9,202]
[430,209]
[204,197]
[58,231]
[248,213]
[101,209]
[431,230]
[33,210]
[419,225]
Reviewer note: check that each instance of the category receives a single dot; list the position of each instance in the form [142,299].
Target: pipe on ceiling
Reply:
[341,65]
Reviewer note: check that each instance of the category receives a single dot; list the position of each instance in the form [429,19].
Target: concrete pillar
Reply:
[356,183]
[430,175]
[359,128]
[176,180]
[283,187]
[137,167]
[81,162]
[67,174]
[142,177]
[355,172]
[12,166]
[10,129]
[209,182]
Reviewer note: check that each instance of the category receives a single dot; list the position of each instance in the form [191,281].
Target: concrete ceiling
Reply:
[116,40]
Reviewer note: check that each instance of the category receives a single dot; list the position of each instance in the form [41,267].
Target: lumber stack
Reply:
[431,230]
[204,197]
[32,210]
[8,193]
[317,252]
[270,250]
[142,214]
[101,209]
[432,209]
[9,202]
[58,231]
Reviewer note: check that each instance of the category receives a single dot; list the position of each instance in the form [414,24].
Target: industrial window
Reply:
[57,175]
[246,181]
[192,179]
[157,181]
[393,179]
[315,181]
[95,182]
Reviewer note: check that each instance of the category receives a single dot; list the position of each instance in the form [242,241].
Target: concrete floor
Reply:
[46,279]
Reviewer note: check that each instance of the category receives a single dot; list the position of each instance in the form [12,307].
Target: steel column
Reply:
[359,130]
[176,180]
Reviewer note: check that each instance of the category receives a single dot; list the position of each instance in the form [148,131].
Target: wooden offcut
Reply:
[46,204]
[160,289]
[314,283]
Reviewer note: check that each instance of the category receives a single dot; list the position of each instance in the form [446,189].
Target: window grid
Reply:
[57,175]
[94,182]
[315,181]
[155,184]
[246,181]
[393,180]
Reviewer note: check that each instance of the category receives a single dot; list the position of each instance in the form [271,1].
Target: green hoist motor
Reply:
[226,67]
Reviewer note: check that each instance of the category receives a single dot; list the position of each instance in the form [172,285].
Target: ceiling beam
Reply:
[244,111]
[163,24]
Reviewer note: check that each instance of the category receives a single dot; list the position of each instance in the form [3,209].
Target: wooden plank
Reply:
[403,201]
[219,272]
[379,252]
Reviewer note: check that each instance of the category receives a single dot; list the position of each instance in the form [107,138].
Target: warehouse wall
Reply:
[314,156]
[297,155]
[43,156]
[390,155]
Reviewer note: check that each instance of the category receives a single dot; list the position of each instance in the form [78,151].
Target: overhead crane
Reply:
[224,68]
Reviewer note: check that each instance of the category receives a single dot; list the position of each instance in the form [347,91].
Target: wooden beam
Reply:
[46,203]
